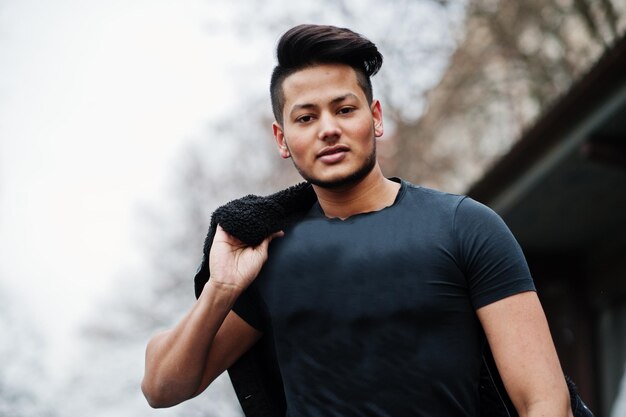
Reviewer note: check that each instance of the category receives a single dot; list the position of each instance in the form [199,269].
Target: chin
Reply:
[342,180]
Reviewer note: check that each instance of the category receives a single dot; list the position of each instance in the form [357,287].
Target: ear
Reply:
[377,115]
[279,136]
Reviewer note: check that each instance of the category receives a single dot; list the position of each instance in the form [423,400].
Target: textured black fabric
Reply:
[252,218]
[259,390]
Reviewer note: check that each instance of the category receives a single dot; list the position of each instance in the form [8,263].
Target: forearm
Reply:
[176,359]
[558,407]
[545,397]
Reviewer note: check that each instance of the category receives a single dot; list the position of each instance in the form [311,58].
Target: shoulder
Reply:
[463,215]
[475,215]
[431,199]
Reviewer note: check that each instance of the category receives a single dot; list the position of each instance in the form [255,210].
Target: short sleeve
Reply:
[250,308]
[491,258]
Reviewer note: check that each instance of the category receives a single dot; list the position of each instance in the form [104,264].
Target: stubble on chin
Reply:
[355,177]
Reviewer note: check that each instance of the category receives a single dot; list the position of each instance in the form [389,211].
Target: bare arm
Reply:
[519,337]
[183,361]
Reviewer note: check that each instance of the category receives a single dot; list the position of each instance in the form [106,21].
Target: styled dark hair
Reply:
[304,46]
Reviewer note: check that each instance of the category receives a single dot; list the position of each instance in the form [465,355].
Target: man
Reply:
[379,298]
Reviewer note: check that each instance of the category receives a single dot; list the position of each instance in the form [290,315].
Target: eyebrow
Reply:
[336,100]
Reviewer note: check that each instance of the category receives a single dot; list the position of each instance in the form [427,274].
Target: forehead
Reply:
[319,82]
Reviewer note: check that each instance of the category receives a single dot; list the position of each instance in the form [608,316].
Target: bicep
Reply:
[489,255]
[519,337]
[234,337]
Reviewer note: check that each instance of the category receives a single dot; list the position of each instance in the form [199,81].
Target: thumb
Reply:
[263,245]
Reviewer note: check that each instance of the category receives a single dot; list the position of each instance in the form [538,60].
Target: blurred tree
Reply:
[21,371]
[514,59]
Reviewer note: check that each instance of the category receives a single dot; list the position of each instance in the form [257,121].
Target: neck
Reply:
[372,193]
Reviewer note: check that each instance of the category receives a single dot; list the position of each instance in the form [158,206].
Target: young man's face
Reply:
[329,129]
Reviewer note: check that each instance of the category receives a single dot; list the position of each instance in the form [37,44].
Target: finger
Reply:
[219,231]
[226,237]
[280,233]
[264,245]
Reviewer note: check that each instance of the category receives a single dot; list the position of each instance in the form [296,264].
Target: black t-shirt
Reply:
[375,315]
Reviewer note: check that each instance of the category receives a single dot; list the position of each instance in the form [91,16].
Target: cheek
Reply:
[364,131]
[297,146]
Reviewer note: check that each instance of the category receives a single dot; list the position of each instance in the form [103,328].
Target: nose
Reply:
[329,129]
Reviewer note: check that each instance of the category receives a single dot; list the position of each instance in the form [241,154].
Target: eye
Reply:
[304,119]
[346,110]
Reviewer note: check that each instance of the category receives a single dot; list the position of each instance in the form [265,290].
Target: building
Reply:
[562,191]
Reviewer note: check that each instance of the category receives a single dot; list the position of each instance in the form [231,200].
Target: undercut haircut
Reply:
[305,46]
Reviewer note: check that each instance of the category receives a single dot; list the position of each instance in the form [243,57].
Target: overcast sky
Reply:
[96,101]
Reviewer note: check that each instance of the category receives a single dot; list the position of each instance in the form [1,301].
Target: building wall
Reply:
[562,286]
[607,271]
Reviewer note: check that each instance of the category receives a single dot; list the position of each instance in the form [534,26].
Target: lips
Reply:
[333,154]
[332,150]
